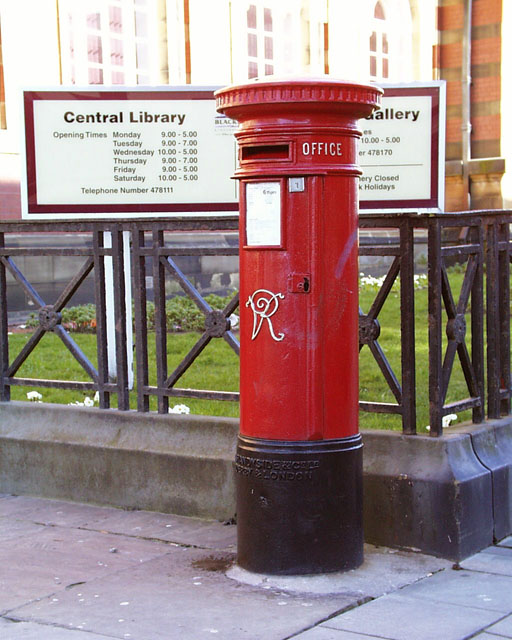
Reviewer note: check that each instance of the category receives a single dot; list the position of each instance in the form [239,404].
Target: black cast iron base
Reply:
[299,505]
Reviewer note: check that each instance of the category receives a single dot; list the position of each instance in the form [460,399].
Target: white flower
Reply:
[179,408]
[372,281]
[34,396]
[88,402]
[447,420]
[96,397]
[420,281]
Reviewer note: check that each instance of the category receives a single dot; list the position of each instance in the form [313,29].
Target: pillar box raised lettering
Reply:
[299,454]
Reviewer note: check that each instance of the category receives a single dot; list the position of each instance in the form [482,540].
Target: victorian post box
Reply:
[299,454]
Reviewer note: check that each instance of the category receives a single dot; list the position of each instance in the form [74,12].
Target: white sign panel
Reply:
[127,152]
[401,152]
[263,214]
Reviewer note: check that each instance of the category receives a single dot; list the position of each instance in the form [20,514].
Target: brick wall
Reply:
[486,80]
[2,86]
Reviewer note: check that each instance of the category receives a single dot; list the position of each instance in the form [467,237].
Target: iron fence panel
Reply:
[468,238]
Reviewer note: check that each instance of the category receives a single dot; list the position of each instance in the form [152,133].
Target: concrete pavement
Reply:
[79,572]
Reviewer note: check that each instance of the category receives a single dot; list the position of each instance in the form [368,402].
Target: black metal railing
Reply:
[216,325]
[103,249]
[478,242]
[457,237]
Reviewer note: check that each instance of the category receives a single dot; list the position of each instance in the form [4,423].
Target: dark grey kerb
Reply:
[176,464]
[492,444]
[430,494]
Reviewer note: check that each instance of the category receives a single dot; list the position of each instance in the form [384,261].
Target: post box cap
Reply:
[325,93]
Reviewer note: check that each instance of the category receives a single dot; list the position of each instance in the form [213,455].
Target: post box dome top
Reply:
[322,94]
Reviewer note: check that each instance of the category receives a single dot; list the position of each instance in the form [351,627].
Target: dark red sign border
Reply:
[429,203]
[33,207]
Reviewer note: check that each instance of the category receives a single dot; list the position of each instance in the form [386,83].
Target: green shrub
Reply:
[182,315]
[81,318]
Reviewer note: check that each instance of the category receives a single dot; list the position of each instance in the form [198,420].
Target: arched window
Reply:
[109,42]
[260,41]
[390,39]
[379,44]
[277,37]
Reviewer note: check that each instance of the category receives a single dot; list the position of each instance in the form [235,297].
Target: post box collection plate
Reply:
[263,214]
[299,455]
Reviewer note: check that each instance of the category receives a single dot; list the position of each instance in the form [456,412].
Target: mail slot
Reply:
[265,152]
[299,454]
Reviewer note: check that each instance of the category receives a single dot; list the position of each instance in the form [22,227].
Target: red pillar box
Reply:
[299,456]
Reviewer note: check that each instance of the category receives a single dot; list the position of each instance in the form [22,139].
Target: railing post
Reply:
[141,324]
[435,338]
[477,324]
[504,310]
[123,394]
[493,334]
[407,326]
[101,316]
[160,321]
[498,315]
[5,392]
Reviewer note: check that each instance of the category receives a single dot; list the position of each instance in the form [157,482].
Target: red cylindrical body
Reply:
[303,386]
[298,263]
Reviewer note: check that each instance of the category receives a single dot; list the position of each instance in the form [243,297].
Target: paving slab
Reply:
[498,551]
[45,563]
[29,631]
[322,633]
[397,617]
[171,528]
[173,596]
[83,572]
[11,528]
[52,512]
[467,588]
[506,542]
[497,560]
[502,628]
[142,524]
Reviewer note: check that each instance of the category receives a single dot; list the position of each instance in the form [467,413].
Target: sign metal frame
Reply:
[32,208]
[435,164]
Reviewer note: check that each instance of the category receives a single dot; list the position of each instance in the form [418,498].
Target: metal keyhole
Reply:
[306,285]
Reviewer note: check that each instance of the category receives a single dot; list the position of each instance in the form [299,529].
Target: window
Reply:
[109,42]
[270,37]
[260,41]
[390,41]
[379,45]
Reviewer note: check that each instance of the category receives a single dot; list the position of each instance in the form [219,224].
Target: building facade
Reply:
[471,57]
[47,43]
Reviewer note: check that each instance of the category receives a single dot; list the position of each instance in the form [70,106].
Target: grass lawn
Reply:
[217,367]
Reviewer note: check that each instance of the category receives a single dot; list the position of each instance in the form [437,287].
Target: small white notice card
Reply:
[263,214]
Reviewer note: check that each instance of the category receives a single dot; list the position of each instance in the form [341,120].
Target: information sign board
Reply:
[130,152]
[402,147]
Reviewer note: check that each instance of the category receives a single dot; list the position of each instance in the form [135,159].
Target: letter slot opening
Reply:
[266,152]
